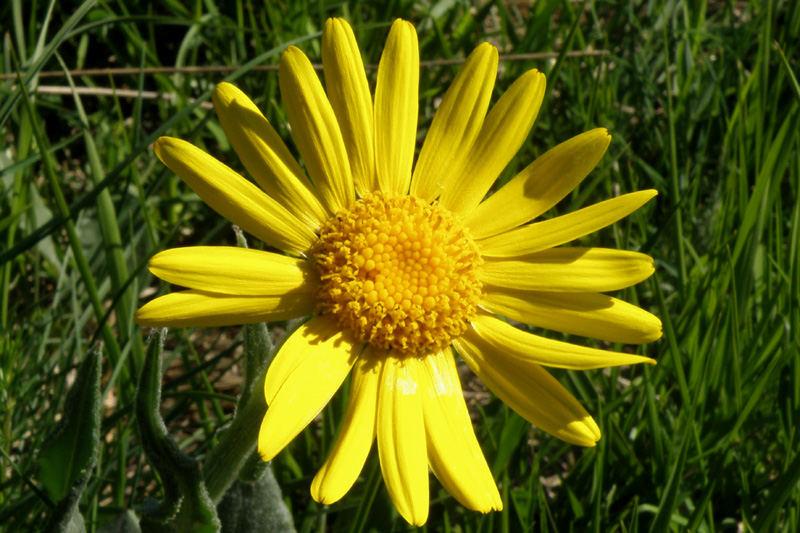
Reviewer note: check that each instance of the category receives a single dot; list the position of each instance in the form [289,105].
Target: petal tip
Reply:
[486,48]
[417,518]
[166,146]
[224,95]
[146,318]
[316,488]
[400,23]
[223,88]
[138,318]
[292,53]
[602,135]
[266,446]
[325,492]
[533,76]
[583,432]
[159,145]
[595,430]
[403,29]
[334,26]
[266,452]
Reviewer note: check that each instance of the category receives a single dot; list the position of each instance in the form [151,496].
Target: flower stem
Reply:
[224,462]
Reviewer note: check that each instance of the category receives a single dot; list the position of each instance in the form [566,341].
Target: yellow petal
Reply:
[401,438]
[453,451]
[305,390]
[541,185]
[229,270]
[233,197]
[530,391]
[206,309]
[315,130]
[319,333]
[265,156]
[348,91]
[350,452]
[456,124]
[506,128]
[396,108]
[589,314]
[559,230]
[569,270]
[490,334]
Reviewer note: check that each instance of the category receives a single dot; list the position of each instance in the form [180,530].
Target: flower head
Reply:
[399,263]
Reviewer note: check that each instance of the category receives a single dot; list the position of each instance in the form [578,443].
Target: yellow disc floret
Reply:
[399,273]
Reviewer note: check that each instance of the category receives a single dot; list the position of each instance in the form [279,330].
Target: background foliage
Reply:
[702,101]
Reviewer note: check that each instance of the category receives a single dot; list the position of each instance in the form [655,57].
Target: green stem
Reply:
[227,460]
[186,505]
[224,462]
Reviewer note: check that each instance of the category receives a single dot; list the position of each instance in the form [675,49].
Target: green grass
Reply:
[703,104]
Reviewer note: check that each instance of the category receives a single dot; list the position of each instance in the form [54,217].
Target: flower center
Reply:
[399,273]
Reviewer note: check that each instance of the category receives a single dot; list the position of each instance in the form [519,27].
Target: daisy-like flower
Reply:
[399,264]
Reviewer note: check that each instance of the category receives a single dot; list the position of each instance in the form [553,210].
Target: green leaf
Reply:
[70,451]
[187,506]
[514,431]
[255,507]
[69,454]
[69,522]
[125,522]
[670,497]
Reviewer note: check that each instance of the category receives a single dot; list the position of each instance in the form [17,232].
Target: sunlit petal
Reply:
[233,197]
[319,333]
[556,231]
[265,156]
[569,270]
[206,309]
[541,185]
[530,391]
[396,108]
[228,270]
[348,90]
[489,334]
[302,392]
[315,130]
[401,438]
[349,454]
[456,125]
[501,136]
[580,313]
[453,451]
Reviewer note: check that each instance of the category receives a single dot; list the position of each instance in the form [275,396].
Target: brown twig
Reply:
[224,68]
[121,93]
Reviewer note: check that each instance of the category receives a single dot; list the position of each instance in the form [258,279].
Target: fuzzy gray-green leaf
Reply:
[187,506]
[71,449]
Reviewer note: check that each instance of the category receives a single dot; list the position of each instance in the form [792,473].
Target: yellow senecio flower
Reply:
[400,262]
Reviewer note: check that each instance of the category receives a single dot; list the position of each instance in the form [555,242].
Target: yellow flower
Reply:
[400,263]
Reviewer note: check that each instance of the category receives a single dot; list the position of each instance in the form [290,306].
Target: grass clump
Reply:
[702,101]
